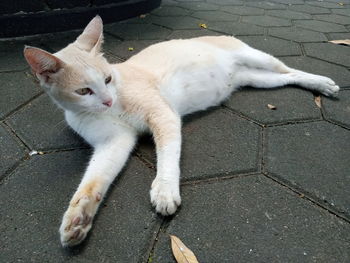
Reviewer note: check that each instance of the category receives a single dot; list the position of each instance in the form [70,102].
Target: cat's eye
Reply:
[108,79]
[84,91]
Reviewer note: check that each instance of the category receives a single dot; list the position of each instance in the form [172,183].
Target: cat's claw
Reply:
[165,197]
[77,222]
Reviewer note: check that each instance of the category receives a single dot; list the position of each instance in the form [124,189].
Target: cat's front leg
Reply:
[165,189]
[106,162]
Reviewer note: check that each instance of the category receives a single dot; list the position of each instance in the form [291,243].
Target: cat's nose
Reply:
[108,103]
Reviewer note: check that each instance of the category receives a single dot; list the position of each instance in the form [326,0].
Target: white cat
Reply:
[109,105]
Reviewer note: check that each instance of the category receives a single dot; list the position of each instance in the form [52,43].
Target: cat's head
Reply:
[78,78]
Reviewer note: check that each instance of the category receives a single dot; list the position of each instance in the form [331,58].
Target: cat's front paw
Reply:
[77,220]
[165,197]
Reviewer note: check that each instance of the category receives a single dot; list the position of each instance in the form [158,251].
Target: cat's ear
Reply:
[42,63]
[92,37]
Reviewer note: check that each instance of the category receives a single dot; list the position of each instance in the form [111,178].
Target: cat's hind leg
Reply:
[267,79]
[106,162]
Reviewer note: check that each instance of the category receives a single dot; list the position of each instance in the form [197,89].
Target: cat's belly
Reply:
[200,88]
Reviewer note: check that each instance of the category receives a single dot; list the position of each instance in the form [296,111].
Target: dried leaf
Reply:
[143,15]
[130,48]
[182,253]
[271,107]
[318,101]
[341,4]
[203,26]
[341,42]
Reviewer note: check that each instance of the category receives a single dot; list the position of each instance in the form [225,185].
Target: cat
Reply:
[109,105]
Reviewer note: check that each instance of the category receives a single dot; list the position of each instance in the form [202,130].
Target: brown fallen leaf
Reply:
[182,253]
[341,42]
[318,101]
[341,4]
[271,107]
[143,15]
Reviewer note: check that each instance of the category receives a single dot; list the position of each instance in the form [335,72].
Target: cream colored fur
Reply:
[148,93]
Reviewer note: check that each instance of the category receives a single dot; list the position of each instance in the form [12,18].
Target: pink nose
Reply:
[108,103]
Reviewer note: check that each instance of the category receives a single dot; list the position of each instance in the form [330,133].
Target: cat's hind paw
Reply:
[165,197]
[77,222]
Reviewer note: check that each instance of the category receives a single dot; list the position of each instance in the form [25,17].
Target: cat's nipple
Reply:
[108,103]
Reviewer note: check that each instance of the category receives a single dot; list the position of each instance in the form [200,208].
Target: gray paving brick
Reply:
[11,150]
[309,9]
[180,22]
[266,21]
[215,143]
[199,6]
[314,157]
[338,19]
[123,51]
[251,219]
[274,46]
[289,2]
[338,110]
[297,34]
[330,52]
[288,14]
[344,12]
[292,104]
[11,56]
[236,29]
[170,11]
[320,26]
[337,36]
[176,34]
[226,2]
[325,4]
[338,73]
[35,196]
[41,125]
[243,10]
[138,31]
[16,89]
[215,16]
[268,5]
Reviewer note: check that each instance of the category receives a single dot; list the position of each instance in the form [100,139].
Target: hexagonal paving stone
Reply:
[325,4]
[199,6]
[344,12]
[297,34]
[337,36]
[292,104]
[225,2]
[170,11]
[181,22]
[11,150]
[215,143]
[11,54]
[288,14]
[16,89]
[338,73]
[338,110]
[330,52]
[42,126]
[338,19]
[309,9]
[215,16]
[252,219]
[243,10]
[266,5]
[31,215]
[289,2]
[176,34]
[320,26]
[274,46]
[123,50]
[266,21]
[314,157]
[236,28]
[137,31]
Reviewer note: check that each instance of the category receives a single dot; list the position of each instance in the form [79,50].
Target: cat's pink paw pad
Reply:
[77,222]
[165,198]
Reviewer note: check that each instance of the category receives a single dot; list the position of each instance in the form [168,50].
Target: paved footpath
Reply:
[258,185]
